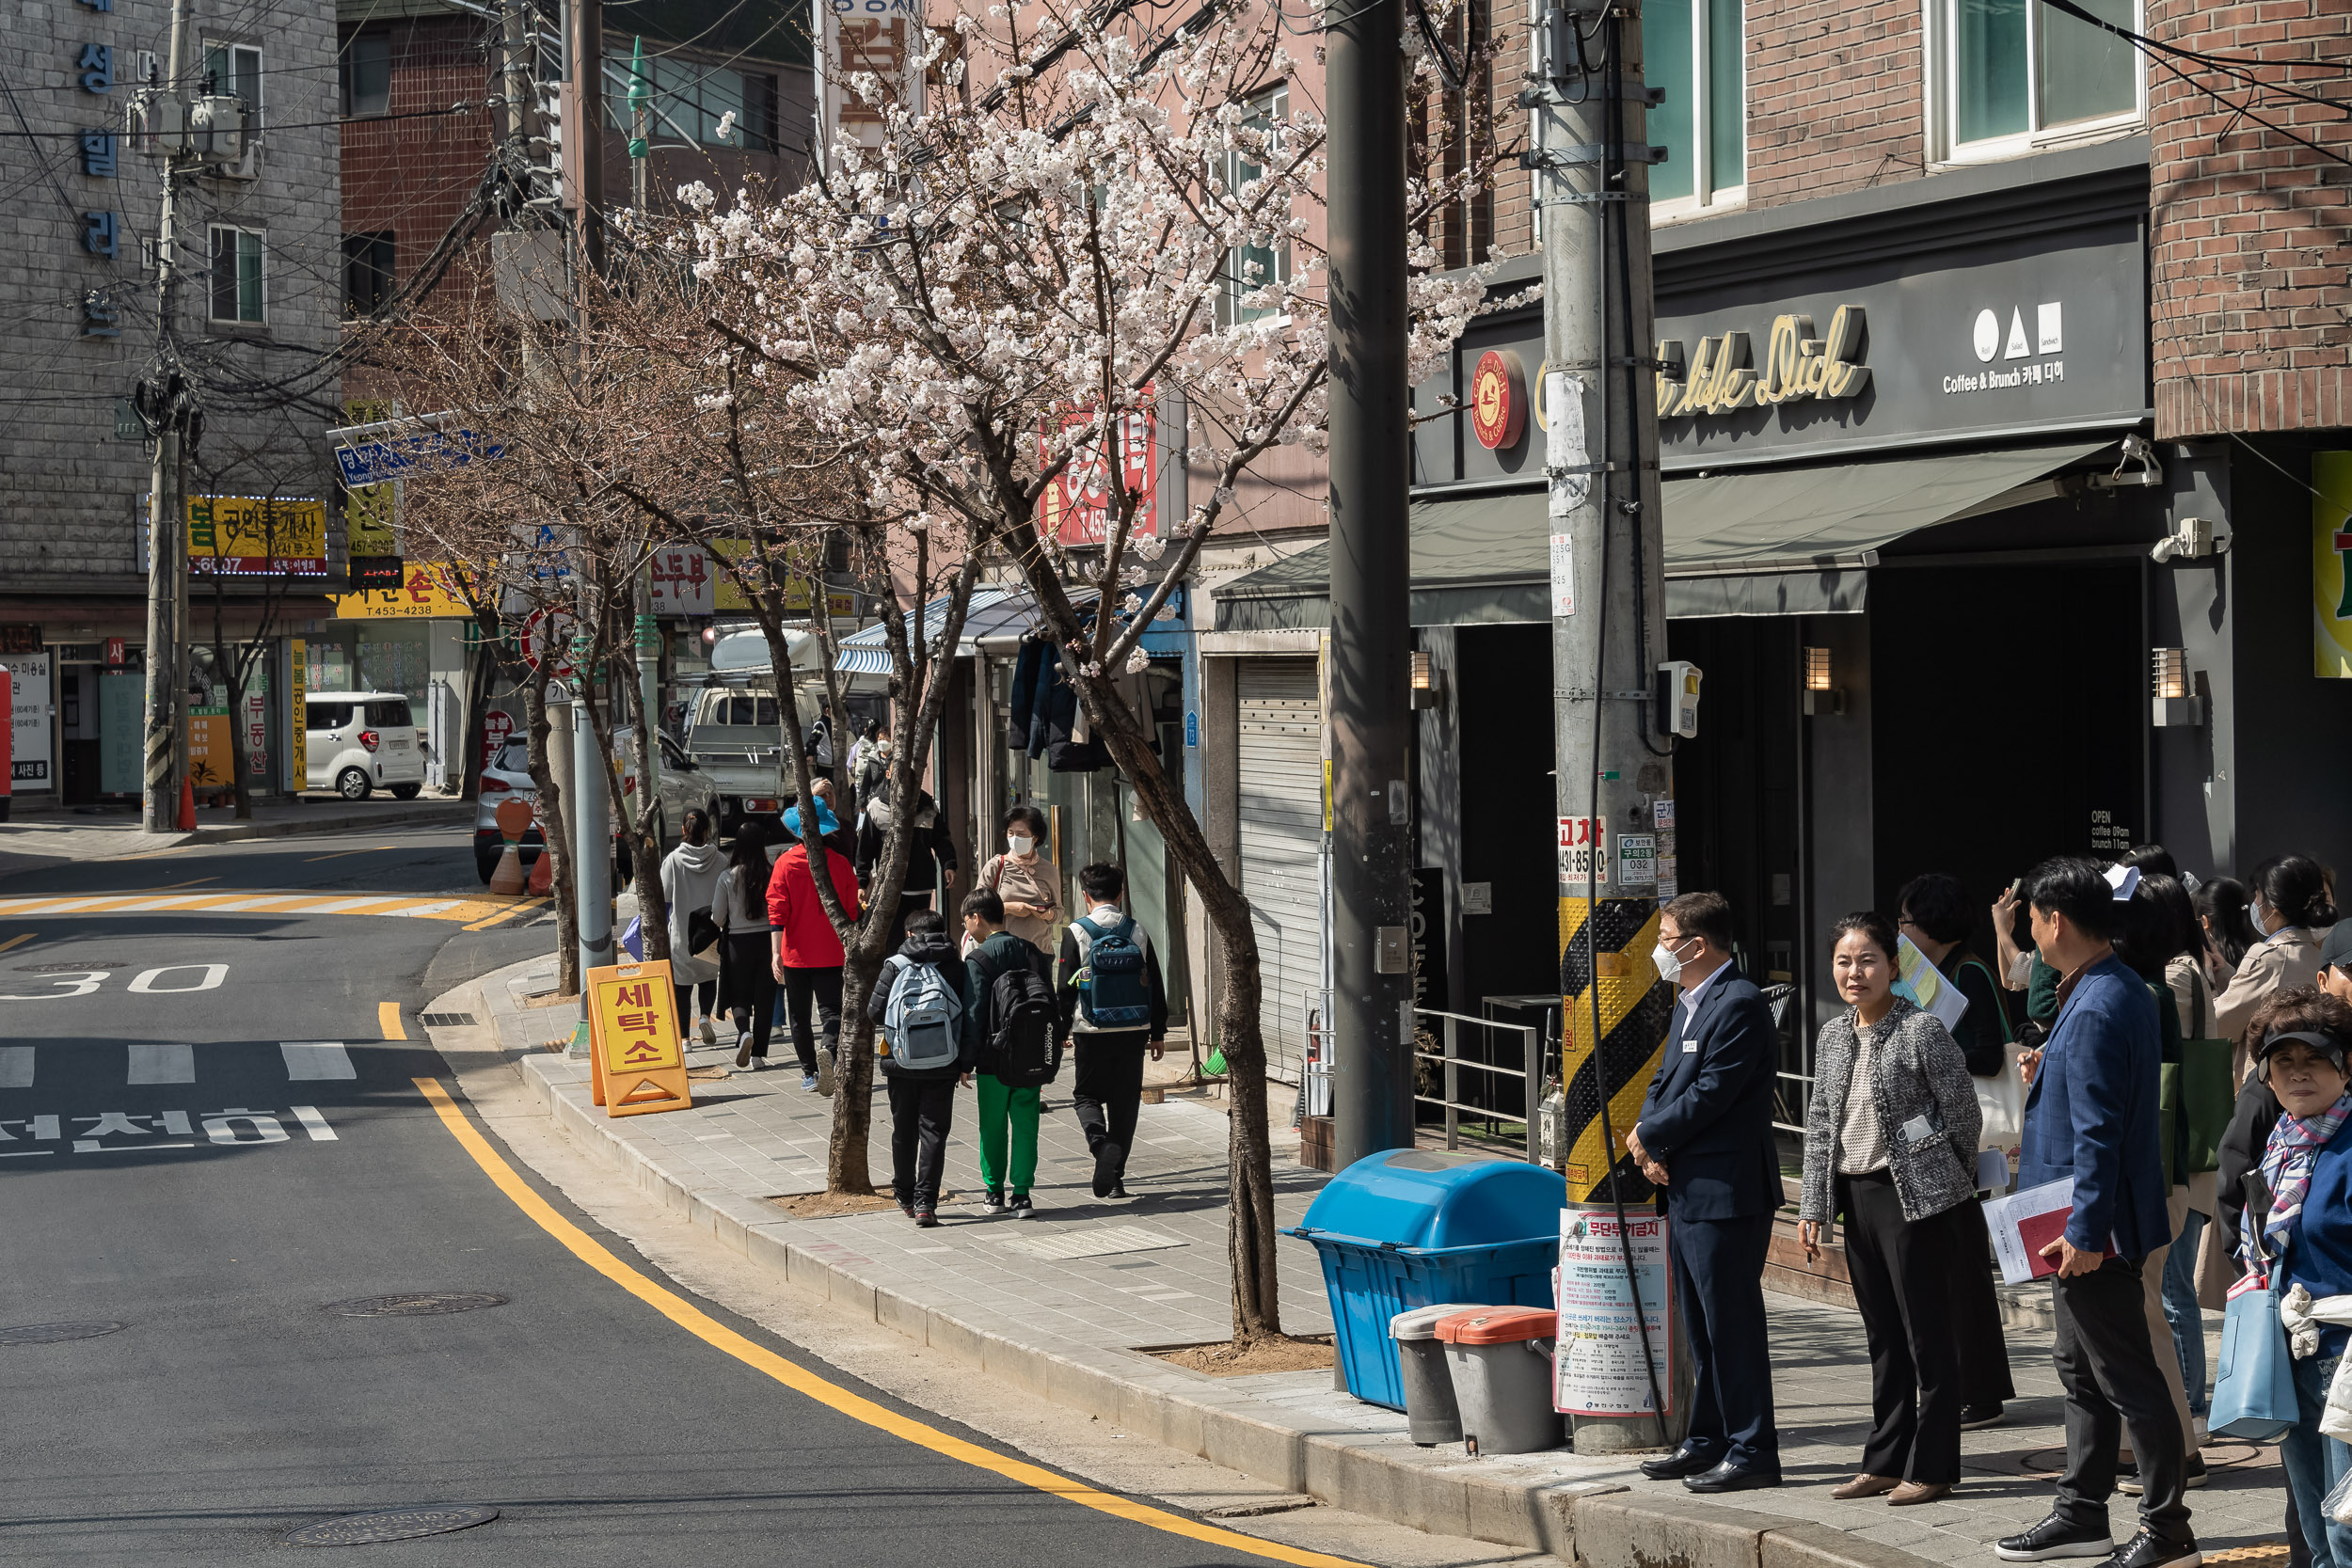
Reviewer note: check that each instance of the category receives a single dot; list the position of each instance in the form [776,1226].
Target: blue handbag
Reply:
[2253,1396]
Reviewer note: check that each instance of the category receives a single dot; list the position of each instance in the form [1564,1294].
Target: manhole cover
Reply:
[395,1524]
[445,1021]
[420,1304]
[50,1333]
[63,965]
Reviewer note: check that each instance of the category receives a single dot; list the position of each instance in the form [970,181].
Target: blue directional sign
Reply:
[374,461]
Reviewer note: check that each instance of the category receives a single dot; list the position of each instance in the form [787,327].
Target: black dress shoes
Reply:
[1728,1477]
[2054,1538]
[1682,1462]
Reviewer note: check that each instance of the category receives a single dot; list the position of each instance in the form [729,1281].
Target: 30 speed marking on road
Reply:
[149,982]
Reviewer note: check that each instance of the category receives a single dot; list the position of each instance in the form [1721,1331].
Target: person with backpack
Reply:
[1115,1005]
[923,1054]
[1011,1030]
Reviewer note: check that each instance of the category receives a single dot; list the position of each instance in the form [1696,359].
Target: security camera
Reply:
[2191,539]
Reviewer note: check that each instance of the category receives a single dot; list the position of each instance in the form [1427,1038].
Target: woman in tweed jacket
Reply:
[1890,1143]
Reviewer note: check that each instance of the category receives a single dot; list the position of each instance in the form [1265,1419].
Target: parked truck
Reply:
[734,726]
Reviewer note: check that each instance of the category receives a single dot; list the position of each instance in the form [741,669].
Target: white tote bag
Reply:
[2002,1099]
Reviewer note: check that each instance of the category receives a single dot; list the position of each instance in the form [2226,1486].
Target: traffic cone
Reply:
[187,806]
[543,873]
[507,880]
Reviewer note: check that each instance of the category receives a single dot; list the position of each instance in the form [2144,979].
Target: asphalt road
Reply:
[181,1157]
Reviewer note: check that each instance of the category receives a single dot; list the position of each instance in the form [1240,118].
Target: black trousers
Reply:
[921,1113]
[1109,1087]
[1902,1273]
[1984,1379]
[709,990]
[822,987]
[2107,1362]
[751,987]
[1719,1290]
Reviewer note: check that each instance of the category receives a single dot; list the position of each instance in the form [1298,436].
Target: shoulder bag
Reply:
[2000,1099]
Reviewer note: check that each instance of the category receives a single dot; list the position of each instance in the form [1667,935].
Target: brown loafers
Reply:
[1913,1492]
[1866,1485]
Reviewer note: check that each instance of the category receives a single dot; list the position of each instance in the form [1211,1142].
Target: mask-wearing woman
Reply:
[1891,1145]
[2292,909]
[1025,878]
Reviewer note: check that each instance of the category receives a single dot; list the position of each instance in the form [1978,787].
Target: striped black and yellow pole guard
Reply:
[1635,1009]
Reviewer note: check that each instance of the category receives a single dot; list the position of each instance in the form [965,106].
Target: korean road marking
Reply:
[793,1375]
[91,1146]
[212,976]
[316,1059]
[388,1021]
[16,1067]
[161,1062]
[24,1153]
[17,941]
[315,1124]
[340,854]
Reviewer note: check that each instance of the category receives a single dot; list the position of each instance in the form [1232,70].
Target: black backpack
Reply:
[1021,1033]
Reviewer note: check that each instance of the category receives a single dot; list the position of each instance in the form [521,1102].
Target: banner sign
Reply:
[1597,1370]
[247,534]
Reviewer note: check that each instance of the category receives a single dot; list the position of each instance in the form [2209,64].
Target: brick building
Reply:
[257,257]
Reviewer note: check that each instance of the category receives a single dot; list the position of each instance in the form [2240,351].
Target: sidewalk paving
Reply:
[1064,1305]
[37,838]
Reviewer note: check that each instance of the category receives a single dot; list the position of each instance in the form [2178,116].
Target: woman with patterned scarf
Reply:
[2302,1040]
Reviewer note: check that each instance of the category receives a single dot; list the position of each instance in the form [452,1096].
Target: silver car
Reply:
[508,778]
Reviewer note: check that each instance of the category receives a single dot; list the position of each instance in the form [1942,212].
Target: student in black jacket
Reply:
[922,1099]
[1109,1086]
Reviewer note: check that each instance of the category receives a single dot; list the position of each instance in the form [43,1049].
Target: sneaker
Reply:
[1021,1208]
[743,1049]
[1108,1156]
[906,1208]
[1975,1415]
[808,1081]
[2200,1434]
[2150,1549]
[710,1035]
[993,1201]
[825,1074]
[2054,1537]
[926,1219]
[2127,1480]
[1119,1189]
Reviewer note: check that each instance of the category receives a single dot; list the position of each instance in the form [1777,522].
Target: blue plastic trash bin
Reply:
[1414,1228]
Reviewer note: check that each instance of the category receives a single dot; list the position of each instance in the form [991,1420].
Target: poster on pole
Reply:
[1597,1368]
[28,721]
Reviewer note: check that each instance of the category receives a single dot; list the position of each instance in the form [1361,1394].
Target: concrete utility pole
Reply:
[587,127]
[648,631]
[167,532]
[1369,658]
[1608,627]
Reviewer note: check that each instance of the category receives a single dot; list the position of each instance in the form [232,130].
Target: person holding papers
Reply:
[1890,1143]
[2091,1118]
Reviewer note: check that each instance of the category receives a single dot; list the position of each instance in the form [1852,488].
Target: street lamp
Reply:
[2176,705]
[1822,695]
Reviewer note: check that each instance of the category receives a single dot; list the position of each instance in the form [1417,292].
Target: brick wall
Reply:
[412,175]
[1835,98]
[2249,249]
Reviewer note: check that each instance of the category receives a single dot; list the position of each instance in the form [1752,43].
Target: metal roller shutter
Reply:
[1282,844]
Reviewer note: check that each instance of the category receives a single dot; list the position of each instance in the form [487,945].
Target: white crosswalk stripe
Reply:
[161,1062]
[312,1059]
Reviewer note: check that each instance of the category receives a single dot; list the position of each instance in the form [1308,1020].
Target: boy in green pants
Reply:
[1011,1030]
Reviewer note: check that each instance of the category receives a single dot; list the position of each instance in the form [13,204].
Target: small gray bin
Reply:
[1428,1382]
[1501,1362]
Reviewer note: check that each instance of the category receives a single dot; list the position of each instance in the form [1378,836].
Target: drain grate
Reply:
[50,1333]
[417,1303]
[445,1021]
[63,965]
[394,1524]
[1106,1242]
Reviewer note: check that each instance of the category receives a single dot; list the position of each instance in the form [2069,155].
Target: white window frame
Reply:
[232,48]
[1706,196]
[1945,149]
[261,249]
[1276,107]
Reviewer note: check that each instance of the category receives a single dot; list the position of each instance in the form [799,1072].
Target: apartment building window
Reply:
[690,99]
[1693,49]
[367,271]
[366,74]
[237,292]
[2010,74]
[236,68]
[1251,267]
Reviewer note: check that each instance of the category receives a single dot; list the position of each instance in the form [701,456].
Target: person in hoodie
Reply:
[931,859]
[1109,1088]
[690,883]
[922,1099]
[807,951]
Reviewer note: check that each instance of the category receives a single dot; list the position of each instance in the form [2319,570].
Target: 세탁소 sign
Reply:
[639,1058]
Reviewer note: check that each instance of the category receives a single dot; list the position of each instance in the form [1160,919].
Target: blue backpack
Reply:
[923,1022]
[1114,991]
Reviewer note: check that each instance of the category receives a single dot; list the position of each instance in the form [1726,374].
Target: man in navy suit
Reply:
[2092,1117]
[1705,1138]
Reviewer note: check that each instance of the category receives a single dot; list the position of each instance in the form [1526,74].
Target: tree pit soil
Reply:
[1278,1352]
[834,1206]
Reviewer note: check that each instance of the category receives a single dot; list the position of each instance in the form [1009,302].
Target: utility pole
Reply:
[166,534]
[648,631]
[587,103]
[1369,662]
[1607,637]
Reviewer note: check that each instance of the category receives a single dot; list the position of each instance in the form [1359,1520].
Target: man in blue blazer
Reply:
[1705,1138]
[2091,1117]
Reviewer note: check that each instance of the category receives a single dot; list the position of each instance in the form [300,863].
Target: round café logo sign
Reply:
[1498,400]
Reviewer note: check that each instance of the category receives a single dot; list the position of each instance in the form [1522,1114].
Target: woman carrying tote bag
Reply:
[1891,1144]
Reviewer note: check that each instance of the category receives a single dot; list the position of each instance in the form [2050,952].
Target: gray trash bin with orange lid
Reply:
[1500,1358]
[1430,1412]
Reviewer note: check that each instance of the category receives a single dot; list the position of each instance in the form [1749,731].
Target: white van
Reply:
[359,740]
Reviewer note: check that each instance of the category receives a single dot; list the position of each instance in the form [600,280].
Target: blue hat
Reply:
[825,823]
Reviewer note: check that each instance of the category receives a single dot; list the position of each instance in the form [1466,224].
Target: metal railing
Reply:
[1449,1055]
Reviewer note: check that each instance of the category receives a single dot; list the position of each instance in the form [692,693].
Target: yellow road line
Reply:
[313,860]
[520,905]
[801,1380]
[17,941]
[151,854]
[387,1019]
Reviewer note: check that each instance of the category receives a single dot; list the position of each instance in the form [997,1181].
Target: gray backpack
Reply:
[923,1022]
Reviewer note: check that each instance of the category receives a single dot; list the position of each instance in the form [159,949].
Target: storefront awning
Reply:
[1796,542]
[992,613]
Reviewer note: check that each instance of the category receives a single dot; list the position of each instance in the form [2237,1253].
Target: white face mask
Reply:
[1018,845]
[1669,967]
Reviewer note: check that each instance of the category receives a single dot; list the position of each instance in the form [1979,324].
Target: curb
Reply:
[232,832]
[1593,1523]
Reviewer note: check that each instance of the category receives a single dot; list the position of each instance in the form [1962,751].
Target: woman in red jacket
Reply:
[807,955]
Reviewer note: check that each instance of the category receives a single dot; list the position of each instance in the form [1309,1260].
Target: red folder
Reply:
[2039,1230]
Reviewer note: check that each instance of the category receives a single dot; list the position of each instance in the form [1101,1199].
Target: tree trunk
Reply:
[481,675]
[552,816]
